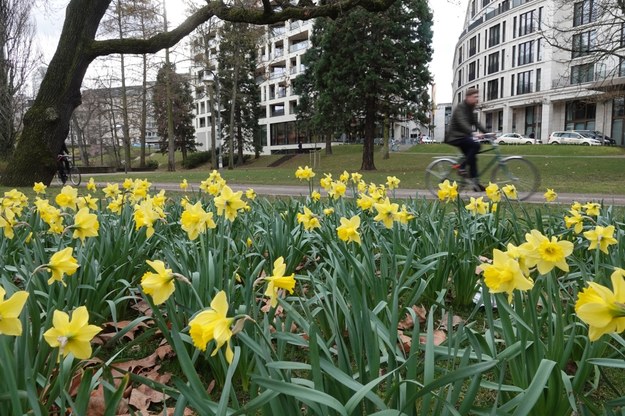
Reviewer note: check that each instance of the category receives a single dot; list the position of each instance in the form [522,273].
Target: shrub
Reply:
[151,164]
[196,159]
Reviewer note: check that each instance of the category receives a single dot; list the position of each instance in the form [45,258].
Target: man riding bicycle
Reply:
[460,134]
[62,160]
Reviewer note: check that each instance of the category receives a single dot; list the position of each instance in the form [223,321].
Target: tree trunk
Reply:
[46,124]
[233,99]
[80,137]
[211,103]
[240,143]
[385,152]
[328,140]
[367,148]
[144,110]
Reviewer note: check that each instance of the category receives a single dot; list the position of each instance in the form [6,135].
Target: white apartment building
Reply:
[526,85]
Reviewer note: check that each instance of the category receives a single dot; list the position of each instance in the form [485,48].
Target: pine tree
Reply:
[368,66]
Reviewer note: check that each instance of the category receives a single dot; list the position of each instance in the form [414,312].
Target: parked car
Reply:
[514,138]
[427,140]
[595,134]
[573,137]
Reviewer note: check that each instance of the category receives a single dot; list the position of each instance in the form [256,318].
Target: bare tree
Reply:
[46,123]
[17,60]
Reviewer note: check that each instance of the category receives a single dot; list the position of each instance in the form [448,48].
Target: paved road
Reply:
[290,190]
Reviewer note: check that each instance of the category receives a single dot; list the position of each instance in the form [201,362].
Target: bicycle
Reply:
[72,174]
[509,170]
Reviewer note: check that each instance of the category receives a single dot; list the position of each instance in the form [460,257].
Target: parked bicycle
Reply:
[506,170]
[70,172]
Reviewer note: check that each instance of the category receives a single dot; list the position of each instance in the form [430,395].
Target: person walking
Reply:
[460,134]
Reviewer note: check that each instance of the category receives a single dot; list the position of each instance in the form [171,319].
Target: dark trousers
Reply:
[469,148]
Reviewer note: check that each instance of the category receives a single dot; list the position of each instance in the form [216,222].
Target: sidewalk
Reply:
[302,190]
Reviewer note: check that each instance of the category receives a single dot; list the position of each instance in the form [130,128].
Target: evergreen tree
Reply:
[366,66]
[182,104]
[237,63]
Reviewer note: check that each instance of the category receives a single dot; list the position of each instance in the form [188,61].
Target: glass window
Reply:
[584,12]
[493,35]
[524,82]
[526,23]
[525,53]
[582,73]
[492,90]
[472,46]
[583,43]
[472,73]
[493,63]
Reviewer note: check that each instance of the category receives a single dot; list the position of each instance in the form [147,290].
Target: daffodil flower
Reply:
[308,219]
[477,206]
[504,275]
[10,310]
[85,224]
[348,230]
[602,309]
[213,324]
[447,192]
[67,198]
[159,285]
[392,182]
[72,336]
[61,263]
[91,185]
[546,253]
[387,213]
[228,203]
[195,220]
[278,281]
[550,195]
[575,220]
[304,173]
[493,192]
[510,191]
[601,237]
[39,188]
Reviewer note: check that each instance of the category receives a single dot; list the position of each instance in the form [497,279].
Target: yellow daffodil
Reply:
[477,206]
[128,183]
[62,262]
[213,324]
[250,194]
[91,186]
[228,203]
[87,201]
[304,173]
[602,309]
[510,191]
[10,310]
[576,206]
[159,285]
[308,220]
[337,189]
[519,255]
[326,181]
[249,242]
[344,177]
[67,198]
[195,220]
[315,196]
[447,192]
[7,222]
[601,237]
[592,209]
[14,200]
[504,274]
[356,177]
[116,205]
[278,281]
[392,182]
[550,195]
[365,202]
[493,192]
[85,224]
[493,207]
[545,253]
[404,215]
[145,215]
[111,190]
[361,186]
[387,213]
[575,220]
[348,230]
[39,188]
[184,185]
[328,211]
[72,336]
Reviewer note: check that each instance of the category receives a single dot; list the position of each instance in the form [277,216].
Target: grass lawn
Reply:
[577,169]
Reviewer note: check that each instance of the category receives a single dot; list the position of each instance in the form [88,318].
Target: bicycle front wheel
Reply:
[74,176]
[437,172]
[518,172]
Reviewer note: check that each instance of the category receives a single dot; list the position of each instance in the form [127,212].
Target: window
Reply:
[621,67]
[459,78]
[202,122]
[512,85]
[582,73]
[526,23]
[525,55]
[584,12]
[524,82]
[472,71]
[492,90]
[493,36]
[503,59]
[485,3]
[582,43]
[460,55]
[539,51]
[493,63]
[473,8]
[472,46]
[538,74]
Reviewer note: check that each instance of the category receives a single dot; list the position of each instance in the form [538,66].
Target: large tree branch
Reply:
[257,15]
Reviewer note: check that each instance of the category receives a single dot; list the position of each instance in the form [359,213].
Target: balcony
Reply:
[298,46]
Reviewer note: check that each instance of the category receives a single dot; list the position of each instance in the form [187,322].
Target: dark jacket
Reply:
[461,124]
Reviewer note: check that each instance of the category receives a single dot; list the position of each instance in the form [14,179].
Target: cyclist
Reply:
[460,134]
[62,159]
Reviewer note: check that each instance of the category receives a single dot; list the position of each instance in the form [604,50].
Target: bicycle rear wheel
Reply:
[437,172]
[74,176]
[518,172]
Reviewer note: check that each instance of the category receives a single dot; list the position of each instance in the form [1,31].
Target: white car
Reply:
[427,139]
[514,138]
[573,137]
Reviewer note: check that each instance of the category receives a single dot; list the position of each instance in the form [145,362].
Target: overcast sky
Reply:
[448,19]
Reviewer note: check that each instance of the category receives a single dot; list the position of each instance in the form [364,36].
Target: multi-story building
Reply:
[535,66]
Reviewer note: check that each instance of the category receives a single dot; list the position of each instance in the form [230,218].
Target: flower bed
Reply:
[314,305]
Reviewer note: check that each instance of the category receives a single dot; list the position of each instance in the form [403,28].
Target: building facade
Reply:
[535,65]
